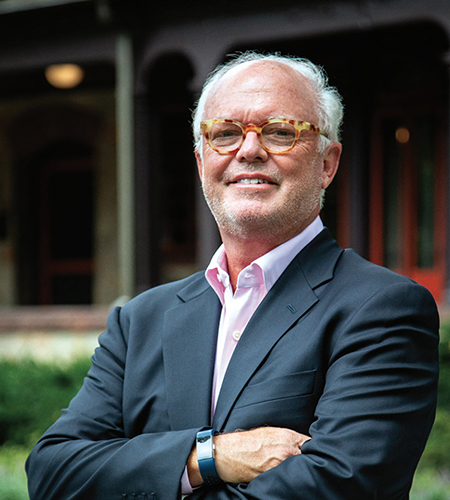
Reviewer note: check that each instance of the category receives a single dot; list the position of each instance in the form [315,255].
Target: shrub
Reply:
[444,358]
[432,480]
[436,455]
[32,395]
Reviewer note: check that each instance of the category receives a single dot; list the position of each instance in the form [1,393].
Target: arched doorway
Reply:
[166,176]
[54,184]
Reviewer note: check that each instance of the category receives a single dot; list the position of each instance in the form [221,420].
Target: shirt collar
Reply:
[271,265]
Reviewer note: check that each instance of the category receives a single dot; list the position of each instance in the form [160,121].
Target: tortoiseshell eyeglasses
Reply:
[278,135]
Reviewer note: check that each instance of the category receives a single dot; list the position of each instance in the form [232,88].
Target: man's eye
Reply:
[279,133]
[226,133]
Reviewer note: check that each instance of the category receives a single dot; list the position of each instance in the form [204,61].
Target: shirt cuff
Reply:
[186,488]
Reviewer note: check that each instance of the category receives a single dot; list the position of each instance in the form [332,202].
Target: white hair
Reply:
[330,108]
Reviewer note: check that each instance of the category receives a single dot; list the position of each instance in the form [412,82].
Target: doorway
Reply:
[407,198]
[54,203]
[66,232]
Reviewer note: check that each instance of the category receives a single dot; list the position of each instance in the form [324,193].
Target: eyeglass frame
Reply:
[299,125]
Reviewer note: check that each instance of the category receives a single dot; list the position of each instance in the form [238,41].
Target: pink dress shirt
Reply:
[253,284]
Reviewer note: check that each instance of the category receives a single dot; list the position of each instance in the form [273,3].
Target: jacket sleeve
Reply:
[87,455]
[376,410]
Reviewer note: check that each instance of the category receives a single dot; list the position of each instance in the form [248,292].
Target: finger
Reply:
[305,440]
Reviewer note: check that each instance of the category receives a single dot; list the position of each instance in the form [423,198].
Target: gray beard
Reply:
[282,224]
[253,225]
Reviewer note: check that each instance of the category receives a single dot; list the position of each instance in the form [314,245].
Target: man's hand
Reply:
[242,455]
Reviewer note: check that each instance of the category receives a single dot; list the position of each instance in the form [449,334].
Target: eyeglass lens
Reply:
[277,136]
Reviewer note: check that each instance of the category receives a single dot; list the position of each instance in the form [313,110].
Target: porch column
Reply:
[125,166]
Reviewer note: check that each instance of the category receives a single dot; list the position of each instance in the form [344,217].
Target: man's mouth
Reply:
[253,181]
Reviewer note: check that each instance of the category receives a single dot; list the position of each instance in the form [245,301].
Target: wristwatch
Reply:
[205,457]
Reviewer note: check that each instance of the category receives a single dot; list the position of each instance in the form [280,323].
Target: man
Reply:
[292,369]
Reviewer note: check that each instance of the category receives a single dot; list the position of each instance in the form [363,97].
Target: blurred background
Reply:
[99,195]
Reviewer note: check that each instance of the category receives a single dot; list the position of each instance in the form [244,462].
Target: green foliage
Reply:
[13,482]
[444,358]
[432,480]
[32,395]
[436,455]
[430,485]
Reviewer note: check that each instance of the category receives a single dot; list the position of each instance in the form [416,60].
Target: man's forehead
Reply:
[262,70]
[261,78]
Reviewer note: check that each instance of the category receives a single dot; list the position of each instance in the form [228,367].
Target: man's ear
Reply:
[330,163]
[199,163]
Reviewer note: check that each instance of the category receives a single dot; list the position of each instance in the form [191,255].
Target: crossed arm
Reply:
[241,456]
[370,425]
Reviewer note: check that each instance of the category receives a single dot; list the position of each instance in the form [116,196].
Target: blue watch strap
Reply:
[205,456]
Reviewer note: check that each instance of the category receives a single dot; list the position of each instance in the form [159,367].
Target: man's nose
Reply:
[251,149]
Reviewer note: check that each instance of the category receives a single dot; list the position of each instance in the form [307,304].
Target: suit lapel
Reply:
[189,344]
[290,298]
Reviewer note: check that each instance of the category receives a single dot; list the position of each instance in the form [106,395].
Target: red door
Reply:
[407,193]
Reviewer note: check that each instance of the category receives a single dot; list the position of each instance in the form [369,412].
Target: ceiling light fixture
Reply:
[402,135]
[64,76]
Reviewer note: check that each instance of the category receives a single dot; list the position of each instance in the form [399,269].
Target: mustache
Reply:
[251,168]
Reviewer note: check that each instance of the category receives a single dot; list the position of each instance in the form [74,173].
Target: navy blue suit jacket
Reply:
[339,349]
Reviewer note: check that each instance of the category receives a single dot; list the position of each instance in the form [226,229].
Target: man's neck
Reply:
[241,252]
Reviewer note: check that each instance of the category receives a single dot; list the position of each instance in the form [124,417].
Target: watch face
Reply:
[204,445]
